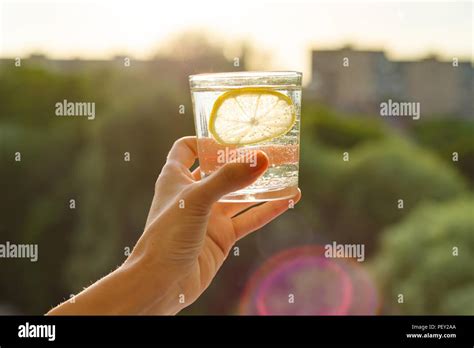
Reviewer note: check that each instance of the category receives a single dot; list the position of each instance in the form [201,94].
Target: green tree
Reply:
[427,258]
[379,185]
[35,210]
[339,131]
[448,136]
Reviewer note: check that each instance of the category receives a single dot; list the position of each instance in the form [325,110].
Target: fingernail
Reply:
[261,161]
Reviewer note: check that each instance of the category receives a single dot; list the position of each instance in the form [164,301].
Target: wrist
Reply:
[149,287]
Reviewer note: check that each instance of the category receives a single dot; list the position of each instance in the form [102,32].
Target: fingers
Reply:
[259,216]
[184,151]
[230,177]
[229,209]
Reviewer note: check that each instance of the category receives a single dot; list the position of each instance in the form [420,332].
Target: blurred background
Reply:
[399,186]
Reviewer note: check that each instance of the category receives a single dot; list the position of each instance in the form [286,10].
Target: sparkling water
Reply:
[280,180]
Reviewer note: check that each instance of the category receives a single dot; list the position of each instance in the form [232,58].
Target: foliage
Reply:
[427,258]
[446,136]
[340,131]
[364,198]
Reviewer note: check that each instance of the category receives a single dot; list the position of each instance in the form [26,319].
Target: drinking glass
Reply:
[237,113]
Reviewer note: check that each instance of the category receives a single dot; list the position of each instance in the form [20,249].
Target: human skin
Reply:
[182,247]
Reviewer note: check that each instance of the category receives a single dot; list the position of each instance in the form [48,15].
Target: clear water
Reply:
[281,178]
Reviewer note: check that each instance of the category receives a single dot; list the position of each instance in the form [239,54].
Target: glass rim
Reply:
[246,78]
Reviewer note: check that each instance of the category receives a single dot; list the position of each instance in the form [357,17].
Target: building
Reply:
[356,81]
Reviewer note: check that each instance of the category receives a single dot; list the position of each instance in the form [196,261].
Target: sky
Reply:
[285,30]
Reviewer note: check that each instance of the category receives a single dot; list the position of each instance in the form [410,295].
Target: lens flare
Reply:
[302,281]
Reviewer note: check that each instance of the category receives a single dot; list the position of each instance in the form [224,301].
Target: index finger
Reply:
[184,151]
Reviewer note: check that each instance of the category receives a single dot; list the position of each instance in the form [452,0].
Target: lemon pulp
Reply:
[251,115]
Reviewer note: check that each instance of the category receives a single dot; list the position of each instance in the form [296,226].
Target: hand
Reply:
[190,243]
[187,234]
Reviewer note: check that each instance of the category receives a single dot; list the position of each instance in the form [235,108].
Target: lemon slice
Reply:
[251,115]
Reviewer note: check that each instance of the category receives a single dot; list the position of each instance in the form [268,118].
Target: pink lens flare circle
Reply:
[302,281]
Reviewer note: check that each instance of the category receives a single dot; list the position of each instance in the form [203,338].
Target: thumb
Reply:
[230,177]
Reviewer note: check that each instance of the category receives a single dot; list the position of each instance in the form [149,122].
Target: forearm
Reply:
[128,290]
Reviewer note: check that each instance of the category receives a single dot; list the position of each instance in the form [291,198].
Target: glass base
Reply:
[264,196]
